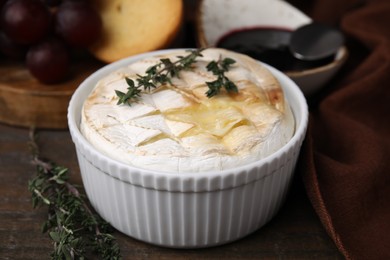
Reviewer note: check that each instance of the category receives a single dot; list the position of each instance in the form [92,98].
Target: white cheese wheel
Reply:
[176,128]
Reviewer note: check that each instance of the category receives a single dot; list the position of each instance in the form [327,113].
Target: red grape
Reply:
[49,61]
[11,49]
[78,23]
[25,21]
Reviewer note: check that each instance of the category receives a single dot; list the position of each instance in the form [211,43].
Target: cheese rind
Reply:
[176,128]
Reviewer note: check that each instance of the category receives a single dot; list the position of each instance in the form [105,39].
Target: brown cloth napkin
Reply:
[345,161]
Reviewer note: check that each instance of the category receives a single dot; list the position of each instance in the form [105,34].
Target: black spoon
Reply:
[315,41]
[309,46]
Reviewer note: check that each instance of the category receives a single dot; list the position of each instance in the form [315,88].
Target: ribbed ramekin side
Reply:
[186,219]
[91,177]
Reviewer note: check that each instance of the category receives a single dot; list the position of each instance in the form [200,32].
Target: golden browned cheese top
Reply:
[176,128]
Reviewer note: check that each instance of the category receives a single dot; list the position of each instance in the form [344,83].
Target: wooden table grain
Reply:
[294,233]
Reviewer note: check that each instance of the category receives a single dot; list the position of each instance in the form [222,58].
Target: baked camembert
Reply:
[176,128]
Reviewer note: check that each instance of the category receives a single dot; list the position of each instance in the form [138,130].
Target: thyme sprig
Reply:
[162,72]
[218,68]
[157,75]
[76,231]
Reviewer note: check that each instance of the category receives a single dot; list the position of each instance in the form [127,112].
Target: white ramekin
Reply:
[186,210]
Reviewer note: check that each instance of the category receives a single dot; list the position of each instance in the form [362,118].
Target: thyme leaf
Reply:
[75,230]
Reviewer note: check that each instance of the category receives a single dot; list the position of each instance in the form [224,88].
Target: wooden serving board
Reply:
[26,102]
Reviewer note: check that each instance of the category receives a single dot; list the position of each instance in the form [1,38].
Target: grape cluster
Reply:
[44,33]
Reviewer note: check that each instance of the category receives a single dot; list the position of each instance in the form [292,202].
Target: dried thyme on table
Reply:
[76,231]
[162,72]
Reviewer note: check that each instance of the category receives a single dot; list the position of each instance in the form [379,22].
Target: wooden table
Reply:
[295,232]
